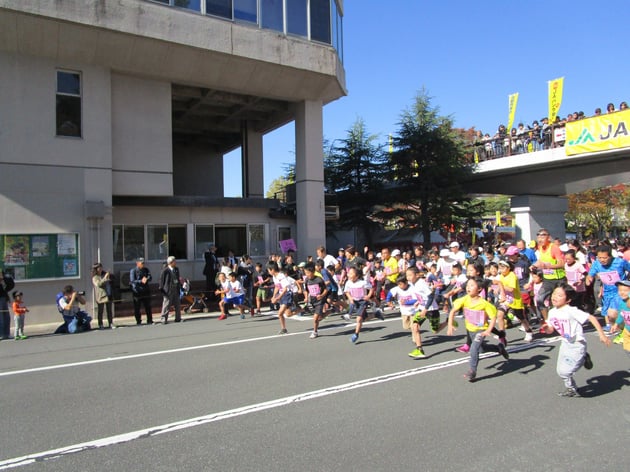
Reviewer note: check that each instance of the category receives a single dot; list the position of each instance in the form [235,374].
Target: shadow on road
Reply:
[522,366]
[604,384]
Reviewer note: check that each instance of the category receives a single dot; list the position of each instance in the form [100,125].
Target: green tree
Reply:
[354,170]
[427,168]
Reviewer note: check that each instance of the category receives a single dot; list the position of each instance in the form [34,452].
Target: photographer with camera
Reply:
[6,285]
[102,282]
[75,319]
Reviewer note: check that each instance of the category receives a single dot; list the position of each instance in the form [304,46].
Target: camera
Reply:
[81,293]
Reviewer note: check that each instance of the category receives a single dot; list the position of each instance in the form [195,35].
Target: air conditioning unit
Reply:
[331,212]
[124,278]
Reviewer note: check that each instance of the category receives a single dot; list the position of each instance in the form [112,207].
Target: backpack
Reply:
[57,300]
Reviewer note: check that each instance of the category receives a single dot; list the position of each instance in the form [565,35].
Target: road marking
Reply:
[245,410]
[171,351]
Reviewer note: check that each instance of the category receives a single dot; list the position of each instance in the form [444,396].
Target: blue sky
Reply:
[469,56]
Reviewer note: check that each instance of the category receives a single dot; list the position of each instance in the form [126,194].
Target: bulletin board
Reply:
[40,256]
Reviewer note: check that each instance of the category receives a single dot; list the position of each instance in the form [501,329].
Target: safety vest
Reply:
[550,274]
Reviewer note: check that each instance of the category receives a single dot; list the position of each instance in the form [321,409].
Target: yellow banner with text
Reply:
[599,133]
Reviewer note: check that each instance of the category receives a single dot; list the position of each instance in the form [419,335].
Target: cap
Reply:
[396,252]
[564,247]
[445,253]
[512,251]
[140,259]
[302,264]
[625,283]
[454,244]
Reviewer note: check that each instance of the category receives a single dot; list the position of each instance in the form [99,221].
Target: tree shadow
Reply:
[605,384]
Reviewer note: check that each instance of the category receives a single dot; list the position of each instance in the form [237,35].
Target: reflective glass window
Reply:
[204,237]
[245,10]
[188,4]
[222,8]
[296,17]
[256,240]
[271,14]
[320,20]
[68,104]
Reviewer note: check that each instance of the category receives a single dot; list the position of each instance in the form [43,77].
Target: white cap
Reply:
[396,252]
[445,253]
[454,244]
[564,247]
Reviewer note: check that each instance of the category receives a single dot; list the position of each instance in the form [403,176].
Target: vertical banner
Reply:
[555,98]
[512,101]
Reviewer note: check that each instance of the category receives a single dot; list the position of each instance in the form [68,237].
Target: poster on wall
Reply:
[40,246]
[66,245]
[16,250]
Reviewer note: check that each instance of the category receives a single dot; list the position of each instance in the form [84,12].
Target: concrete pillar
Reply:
[309,177]
[252,163]
[533,212]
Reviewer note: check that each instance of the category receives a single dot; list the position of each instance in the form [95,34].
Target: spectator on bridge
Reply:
[610,108]
[598,111]
[623,106]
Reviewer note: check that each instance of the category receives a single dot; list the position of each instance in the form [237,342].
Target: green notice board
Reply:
[40,256]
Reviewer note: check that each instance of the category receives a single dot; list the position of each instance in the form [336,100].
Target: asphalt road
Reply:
[220,396]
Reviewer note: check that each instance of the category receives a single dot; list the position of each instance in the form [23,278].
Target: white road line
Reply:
[245,410]
[169,351]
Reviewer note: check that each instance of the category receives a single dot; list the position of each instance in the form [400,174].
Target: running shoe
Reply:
[313,335]
[354,338]
[471,375]
[569,393]
[529,337]
[283,331]
[607,328]
[588,362]
[503,351]
[464,348]
[619,338]
[223,317]
[521,328]
[243,316]
[379,314]
[346,316]
[417,353]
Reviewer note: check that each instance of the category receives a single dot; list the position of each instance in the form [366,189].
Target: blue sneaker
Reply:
[606,328]
[379,314]
[354,338]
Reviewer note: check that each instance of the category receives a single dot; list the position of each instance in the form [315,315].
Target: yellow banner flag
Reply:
[598,133]
[555,98]
[512,100]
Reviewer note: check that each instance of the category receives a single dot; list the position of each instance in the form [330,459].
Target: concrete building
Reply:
[115,119]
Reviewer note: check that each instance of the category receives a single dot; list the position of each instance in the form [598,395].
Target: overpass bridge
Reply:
[539,181]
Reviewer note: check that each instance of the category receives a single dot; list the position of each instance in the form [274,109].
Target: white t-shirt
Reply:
[357,289]
[234,289]
[406,299]
[568,321]
[424,290]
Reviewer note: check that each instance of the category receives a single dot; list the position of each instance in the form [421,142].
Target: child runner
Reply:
[224,288]
[510,301]
[262,283]
[480,316]
[234,295]
[567,320]
[283,294]
[358,292]
[19,313]
[316,293]
[623,314]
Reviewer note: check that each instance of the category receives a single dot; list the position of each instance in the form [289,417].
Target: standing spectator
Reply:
[598,111]
[19,313]
[623,106]
[210,267]
[610,108]
[169,286]
[101,281]
[139,279]
[6,285]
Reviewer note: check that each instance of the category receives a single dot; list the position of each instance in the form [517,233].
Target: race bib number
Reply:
[356,293]
[625,315]
[406,300]
[475,317]
[609,278]
[314,290]
[509,296]
[573,276]
[563,327]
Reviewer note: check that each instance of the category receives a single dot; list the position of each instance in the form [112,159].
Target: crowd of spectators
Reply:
[538,136]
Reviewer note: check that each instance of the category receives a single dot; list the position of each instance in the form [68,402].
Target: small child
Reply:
[19,313]
[235,294]
[480,316]
[567,320]
[623,314]
[316,293]
[284,287]
[358,292]
[224,285]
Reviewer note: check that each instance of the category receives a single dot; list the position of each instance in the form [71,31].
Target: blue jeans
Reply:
[479,344]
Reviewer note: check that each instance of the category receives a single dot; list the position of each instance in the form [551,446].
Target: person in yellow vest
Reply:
[551,263]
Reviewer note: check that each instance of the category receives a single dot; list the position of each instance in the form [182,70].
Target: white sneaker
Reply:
[529,337]
[521,328]
[313,335]
[346,316]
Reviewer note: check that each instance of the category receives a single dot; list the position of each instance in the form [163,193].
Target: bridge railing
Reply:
[528,141]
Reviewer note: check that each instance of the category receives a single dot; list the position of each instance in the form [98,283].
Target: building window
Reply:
[204,237]
[257,246]
[166,240]
[271,14]
[188,4]
[231,238]
[296,17]
[320,20]
[222,8]
[128,242]
[246,10]
[68,103]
